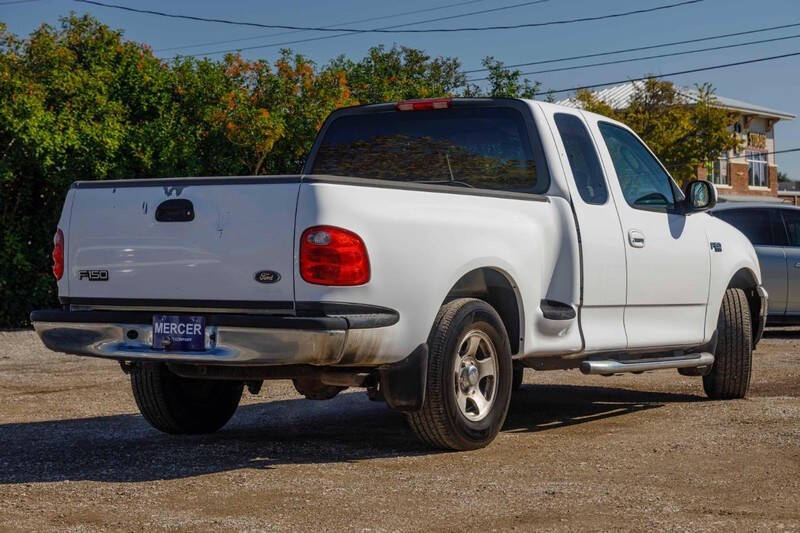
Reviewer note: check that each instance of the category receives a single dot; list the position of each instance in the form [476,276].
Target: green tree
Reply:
[504,82]
[399,73]
[302,97]
[78,102]
[60,121]
[683,130]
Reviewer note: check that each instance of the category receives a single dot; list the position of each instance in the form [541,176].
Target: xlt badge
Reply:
[93,275]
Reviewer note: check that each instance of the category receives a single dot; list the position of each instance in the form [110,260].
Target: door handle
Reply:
[797,265]
[636,238]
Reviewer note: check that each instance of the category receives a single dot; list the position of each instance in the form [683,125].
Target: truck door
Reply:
[667,252]
[602,246]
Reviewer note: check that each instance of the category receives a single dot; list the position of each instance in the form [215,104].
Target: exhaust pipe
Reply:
[611,366]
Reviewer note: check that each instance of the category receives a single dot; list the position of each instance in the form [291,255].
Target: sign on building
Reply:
[756,140]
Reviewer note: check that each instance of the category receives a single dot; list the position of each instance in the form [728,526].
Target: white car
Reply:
[429,252]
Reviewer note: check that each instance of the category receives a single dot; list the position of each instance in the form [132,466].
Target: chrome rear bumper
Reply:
[243,346]
[230,339]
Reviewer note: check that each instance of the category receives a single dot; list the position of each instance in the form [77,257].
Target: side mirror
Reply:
[701,195]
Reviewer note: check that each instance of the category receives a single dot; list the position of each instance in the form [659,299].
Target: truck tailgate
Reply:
[240,227]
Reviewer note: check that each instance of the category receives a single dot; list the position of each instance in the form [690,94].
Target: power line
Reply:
[13,2]
[269,45]
[382,17]
[640,48]
[631,59]
[784,151]
[378,30]
[284,43]
[678,73]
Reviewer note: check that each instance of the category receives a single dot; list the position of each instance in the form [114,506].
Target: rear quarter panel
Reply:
[421,243]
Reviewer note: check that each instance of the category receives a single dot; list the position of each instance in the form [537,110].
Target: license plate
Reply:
[179,333]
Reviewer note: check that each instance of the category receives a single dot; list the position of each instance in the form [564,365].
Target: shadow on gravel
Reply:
[124,448]
[545,407]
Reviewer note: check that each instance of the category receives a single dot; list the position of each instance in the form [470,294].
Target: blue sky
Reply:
[772,84]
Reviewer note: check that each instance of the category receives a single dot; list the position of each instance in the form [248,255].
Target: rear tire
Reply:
[178,405]
[469,378]
[730,375]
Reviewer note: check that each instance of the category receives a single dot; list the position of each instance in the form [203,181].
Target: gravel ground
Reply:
[577,452]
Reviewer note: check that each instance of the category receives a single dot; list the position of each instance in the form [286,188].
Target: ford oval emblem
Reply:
[267,276]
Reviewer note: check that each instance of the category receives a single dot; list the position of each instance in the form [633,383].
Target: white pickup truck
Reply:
[429,252]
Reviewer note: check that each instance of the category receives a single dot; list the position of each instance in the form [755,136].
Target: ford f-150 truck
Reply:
[430,251]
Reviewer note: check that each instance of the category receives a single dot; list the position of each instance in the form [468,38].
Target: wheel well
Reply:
[745,279]
[495,288]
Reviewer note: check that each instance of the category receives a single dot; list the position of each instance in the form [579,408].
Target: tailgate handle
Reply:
[175,210]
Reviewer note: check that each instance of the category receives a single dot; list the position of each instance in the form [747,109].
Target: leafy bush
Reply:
[80,103]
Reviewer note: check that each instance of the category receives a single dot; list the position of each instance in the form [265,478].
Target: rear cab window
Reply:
[487,146]
[583,160]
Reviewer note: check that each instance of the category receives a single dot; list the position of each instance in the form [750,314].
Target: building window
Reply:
[757,169]
[718,171]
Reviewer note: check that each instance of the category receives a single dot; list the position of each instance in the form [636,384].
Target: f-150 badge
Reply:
[93,275]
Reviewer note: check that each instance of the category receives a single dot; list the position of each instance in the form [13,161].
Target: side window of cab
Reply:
[644,182]
[583,160]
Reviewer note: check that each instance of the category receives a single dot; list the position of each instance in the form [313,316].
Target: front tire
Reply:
[730,375]
[469,378]
[178,405]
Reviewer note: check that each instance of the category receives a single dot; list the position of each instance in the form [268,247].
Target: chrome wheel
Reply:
[475,375]
[468,379]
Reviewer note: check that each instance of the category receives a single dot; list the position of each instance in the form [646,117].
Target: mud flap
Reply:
[403,383]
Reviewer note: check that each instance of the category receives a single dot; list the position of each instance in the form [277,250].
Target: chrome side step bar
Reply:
[611,366]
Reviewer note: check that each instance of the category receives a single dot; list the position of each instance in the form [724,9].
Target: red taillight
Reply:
[58,254]
[423,105]
[333,256]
